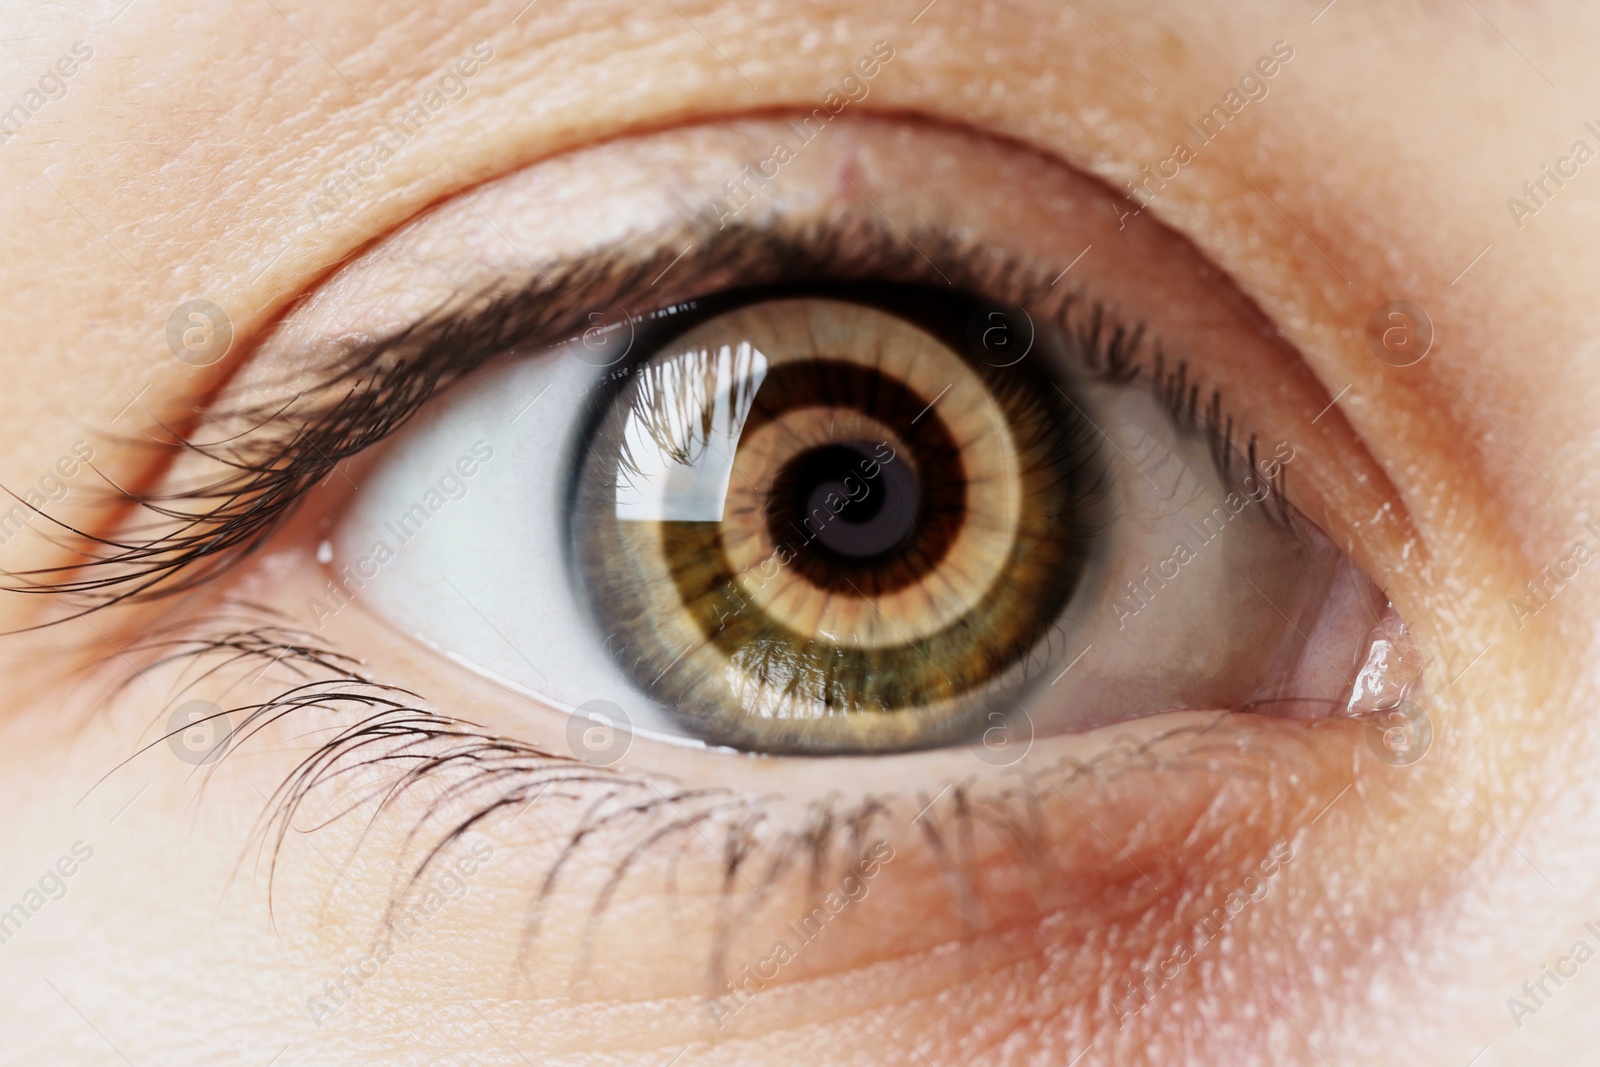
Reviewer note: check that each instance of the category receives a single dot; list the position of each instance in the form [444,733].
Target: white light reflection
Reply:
[675,464]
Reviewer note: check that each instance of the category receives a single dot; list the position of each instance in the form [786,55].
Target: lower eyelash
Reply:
[422,746]
[384,727]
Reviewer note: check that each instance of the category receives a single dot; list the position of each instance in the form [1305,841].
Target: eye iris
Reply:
[811,525]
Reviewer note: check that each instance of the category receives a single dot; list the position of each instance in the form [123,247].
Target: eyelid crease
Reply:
[271,451]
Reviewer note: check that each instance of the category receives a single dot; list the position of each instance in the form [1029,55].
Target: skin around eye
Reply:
[1272,892]
[646,829]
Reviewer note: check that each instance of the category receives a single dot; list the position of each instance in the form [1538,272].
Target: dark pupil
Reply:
[851,504]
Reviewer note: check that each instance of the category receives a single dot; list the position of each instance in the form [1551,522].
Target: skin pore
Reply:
[1393,910]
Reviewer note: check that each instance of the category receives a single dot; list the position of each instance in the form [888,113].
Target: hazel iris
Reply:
[810,524]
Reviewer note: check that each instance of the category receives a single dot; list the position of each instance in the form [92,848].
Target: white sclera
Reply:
[483,577]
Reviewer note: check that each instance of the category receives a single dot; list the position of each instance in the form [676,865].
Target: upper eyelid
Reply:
[275,448]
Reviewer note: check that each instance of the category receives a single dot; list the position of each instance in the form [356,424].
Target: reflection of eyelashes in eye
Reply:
[256,456]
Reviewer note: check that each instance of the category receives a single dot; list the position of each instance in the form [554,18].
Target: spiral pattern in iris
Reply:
[814,525]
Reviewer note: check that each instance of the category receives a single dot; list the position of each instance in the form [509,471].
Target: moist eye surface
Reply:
[810,524]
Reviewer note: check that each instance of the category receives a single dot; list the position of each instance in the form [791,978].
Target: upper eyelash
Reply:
[374,388]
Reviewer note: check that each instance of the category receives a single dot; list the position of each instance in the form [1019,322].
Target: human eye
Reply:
[399,667]
[921,523]
[1072,504]
[1022,488]
[856,516]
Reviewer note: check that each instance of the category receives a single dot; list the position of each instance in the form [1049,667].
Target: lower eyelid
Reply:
[1108,841]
